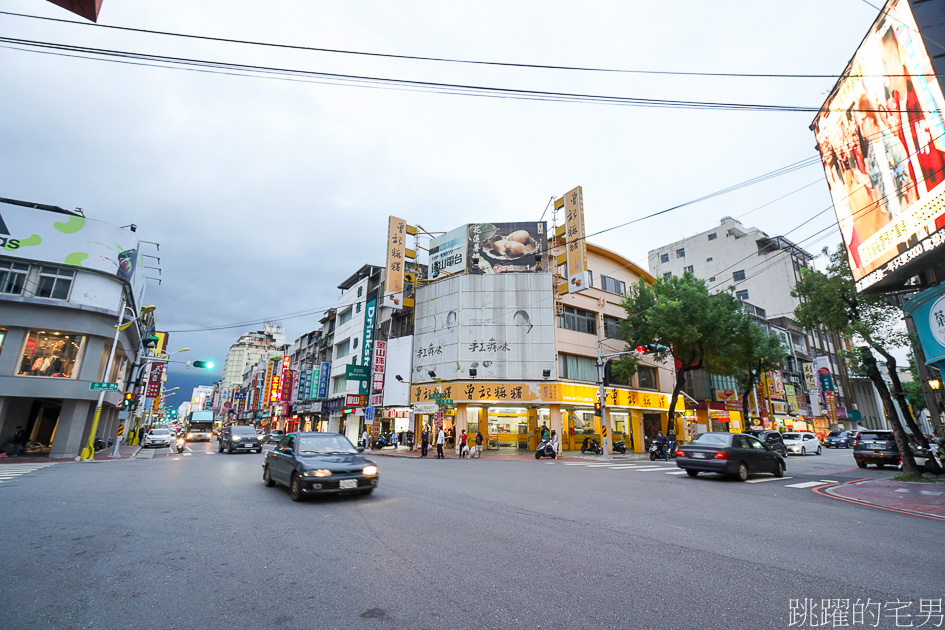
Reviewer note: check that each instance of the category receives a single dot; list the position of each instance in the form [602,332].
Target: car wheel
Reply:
[818,450]
[779,470]
[742,473]
[861,464]
[220,448]
[267,478]
[803,452]
[229,449]
[259,450]
[692,473]
[880,465]
[295,489]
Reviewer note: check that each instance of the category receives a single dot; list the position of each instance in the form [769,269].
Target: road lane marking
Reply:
[805,484]
[764,479]
[676,472]
[11,471]
[651,468]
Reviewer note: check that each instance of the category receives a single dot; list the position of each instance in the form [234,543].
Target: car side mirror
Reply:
[360,449]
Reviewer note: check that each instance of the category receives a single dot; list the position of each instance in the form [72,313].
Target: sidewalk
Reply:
[507,454]
[921,499]
[124,452]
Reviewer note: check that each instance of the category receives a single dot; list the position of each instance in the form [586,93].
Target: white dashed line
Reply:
[764,479]
[805,484]
[11,471]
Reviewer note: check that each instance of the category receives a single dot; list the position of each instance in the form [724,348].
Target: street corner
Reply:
[915,498]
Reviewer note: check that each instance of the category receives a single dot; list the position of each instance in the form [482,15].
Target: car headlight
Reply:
[236,438]
[370,470]
[321,472]
[190,435]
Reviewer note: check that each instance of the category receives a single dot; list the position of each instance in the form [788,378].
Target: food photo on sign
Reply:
[507,247]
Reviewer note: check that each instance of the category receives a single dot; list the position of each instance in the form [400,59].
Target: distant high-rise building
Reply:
[251,347]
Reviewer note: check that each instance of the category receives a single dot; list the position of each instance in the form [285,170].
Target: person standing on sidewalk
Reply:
[364,439]
[463,447]
[554,443]
[478,444]
[393,439]
[424,442]
[440,441]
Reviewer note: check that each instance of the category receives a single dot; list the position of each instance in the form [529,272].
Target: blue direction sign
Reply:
[110,387]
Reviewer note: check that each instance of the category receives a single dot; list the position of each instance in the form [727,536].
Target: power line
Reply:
[382,55]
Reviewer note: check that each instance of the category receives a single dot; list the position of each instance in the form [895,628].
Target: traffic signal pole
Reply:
[89,451]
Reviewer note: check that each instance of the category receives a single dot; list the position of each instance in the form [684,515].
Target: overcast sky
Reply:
[265,194]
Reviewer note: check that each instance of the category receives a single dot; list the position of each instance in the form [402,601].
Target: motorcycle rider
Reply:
[663,443]
[554,443]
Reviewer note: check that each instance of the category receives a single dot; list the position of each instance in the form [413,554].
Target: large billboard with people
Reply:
[881,137]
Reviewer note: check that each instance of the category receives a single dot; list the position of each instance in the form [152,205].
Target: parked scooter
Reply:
[180,443]
[620,447]
[931,460]
[545,449]
[382,441]
[590,444]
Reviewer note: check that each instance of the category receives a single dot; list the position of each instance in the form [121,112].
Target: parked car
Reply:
[875,446]
[836,439]
[734,454]
[772,439]
[240,438]
[319,463]
[159,436]
[801,443]
[275,437]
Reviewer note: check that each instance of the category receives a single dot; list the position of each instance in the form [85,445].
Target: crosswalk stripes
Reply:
[671,469]
[11,471]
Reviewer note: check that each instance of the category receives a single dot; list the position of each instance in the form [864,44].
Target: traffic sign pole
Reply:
[89,451]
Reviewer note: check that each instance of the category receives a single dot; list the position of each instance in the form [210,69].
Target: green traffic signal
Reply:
[203,364]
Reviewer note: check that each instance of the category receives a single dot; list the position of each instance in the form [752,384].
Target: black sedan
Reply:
[319,463]
[732,454]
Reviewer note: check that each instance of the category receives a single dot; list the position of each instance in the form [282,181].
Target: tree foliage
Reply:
[700,330]
[829,301]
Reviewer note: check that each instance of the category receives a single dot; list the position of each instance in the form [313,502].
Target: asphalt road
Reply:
[197,541]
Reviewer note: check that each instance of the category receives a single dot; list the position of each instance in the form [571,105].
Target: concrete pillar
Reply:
[636,428]
[556,423]
[72,428]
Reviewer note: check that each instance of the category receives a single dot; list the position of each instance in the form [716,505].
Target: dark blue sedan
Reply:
[319,463]
[836,439]
[734,454]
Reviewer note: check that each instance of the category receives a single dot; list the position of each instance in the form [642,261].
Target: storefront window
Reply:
[50,354]
[508,426]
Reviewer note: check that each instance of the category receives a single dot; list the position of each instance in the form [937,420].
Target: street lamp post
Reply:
[89,451]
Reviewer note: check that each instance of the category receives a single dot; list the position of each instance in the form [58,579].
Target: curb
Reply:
[827,491]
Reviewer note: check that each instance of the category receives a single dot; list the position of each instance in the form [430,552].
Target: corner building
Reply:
[508,352]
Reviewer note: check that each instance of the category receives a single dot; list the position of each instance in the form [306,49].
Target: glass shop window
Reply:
[50,353]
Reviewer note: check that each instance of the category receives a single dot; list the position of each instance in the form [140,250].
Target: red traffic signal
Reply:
[649,348]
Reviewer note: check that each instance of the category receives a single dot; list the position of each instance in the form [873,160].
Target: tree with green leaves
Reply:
[758,351]
[697,328]
[829,301]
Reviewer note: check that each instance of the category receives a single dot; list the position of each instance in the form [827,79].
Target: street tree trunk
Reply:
[680,381]
[909,466]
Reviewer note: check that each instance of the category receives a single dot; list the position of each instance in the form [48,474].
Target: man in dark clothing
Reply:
[663,444]
[424,442]
[478,445]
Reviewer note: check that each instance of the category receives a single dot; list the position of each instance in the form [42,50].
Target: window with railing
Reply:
[578,320]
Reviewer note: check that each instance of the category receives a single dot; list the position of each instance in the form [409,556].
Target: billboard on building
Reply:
[448,253]
[396,250]
[576,241]
[881,137]
[499,325]
[72,241]
[494,248]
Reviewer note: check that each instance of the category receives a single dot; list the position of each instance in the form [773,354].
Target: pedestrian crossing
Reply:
[11,471]
[671,469]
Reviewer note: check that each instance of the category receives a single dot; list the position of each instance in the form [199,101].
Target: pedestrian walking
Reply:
[478,444]
[424,442]
[364,439]
[440,441]
[463,447]
[393,439]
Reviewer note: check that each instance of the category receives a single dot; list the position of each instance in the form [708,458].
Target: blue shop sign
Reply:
[323,377]
[335,404]
[928,314]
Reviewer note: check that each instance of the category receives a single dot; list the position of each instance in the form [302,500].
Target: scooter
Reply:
[382,441]
[180,443]
[930,461]
[590,444]
[655,451]
[620,447]
[545,449]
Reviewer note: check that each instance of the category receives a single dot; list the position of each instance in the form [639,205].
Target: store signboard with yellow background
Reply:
[521,392]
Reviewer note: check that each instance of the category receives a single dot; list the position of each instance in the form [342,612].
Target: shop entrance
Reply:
[508,428]
[652,424]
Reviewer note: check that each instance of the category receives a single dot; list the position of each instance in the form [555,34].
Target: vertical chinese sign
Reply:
[578,277]
[396,249]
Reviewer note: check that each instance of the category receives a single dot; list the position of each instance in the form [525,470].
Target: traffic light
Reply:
[208,365]
[598,409]
[127,401]
[650,348]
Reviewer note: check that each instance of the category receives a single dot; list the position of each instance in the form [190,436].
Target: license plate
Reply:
[875,447]
[698,455]
[347,484]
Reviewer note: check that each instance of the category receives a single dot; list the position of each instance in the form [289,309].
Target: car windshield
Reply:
[791,436]
[875,435]
[159,431]
[712,439]
[244,431]
[835,434]
[322,444]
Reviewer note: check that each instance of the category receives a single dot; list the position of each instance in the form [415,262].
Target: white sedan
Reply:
[801,443]
[157,437]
